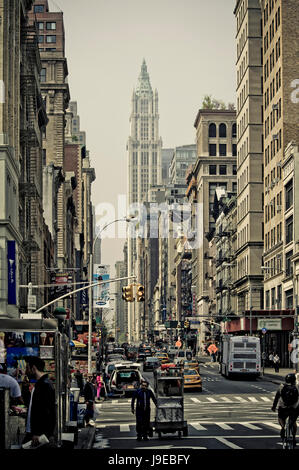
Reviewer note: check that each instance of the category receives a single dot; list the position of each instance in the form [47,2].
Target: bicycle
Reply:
[287,440]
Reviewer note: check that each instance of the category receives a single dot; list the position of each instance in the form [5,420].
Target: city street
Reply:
[228,414]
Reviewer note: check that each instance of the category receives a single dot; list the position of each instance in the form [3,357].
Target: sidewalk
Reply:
[275,377]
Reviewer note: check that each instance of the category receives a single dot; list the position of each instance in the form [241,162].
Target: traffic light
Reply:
[140,293]
[128,293]
[187,324]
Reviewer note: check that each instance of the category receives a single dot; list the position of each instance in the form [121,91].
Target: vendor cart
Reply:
[169,390]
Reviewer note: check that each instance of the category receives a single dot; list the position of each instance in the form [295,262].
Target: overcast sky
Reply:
[189,48]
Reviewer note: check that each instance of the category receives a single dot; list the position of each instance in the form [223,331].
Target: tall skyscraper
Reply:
[144,160]
[249,155]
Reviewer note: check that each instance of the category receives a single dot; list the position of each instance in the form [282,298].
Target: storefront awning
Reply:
[13,324]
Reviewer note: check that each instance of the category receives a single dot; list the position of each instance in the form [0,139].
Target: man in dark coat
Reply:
[41,417]
[143,411]
[89,397]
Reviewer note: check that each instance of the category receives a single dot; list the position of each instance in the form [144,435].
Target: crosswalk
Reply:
[198,426]
[204,399]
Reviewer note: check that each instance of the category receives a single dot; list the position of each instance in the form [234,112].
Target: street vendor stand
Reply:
[36,337]
[169,390]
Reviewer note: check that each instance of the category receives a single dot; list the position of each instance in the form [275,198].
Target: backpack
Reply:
[289,394]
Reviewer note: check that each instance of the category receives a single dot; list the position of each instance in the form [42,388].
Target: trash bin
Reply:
[74,400]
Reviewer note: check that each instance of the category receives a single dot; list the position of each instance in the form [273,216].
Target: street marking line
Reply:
[253,399]
[224,426]
[124,428]
[227,400]
[265,399]
[250,426]
[212,400]
[195,400]
[240,399]
[272,425]
[198,427]
[227,443]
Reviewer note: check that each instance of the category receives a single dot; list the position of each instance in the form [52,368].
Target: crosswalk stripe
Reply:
[227,443]
[198,427]
[224,426]
[265,399]
[227,400]
[212,400]
[272,425]
[249,426]
[240,399]
[252,399]
[124,428]
[195,400]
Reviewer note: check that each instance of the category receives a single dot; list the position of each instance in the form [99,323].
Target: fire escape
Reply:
[33,119]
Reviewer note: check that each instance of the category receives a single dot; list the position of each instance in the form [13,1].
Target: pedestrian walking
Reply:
[79,379]
[41,418]
[271,360]
[89,396]
[7,381]
[143,411]
[99,386]
[276,361]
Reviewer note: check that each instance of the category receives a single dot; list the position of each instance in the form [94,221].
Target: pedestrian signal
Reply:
[140,293]
[128,293]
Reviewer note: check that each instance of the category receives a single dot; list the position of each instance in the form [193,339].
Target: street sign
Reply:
[31,301]
[264,330]
[273,324]
[31,316]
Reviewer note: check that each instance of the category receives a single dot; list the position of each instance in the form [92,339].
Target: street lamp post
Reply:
[125,219]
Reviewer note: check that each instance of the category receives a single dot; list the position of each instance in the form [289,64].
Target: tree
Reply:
[212,103]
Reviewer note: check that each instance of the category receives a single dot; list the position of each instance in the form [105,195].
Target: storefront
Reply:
[20,338]
[274,327]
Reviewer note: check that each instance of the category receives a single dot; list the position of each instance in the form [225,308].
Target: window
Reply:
[40,39]
[212,169]
[234,130]
[50,39]
[43,75]
[222,150]
[222,169]
[234,169]
[289,299]
[289,229]
[212,150]
[279,291]
[40,25]
[289,265]
[289,195]
[273,297]
[234,150]
[38,8]
[212,130]
[235,187]
[51,26]
[267,299]
[222,130]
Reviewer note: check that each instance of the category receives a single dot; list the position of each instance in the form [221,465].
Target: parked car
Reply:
[151,363]
[141,356]
[125,378]
[192,380]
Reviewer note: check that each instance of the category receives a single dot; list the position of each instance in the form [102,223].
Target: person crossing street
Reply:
[143,411]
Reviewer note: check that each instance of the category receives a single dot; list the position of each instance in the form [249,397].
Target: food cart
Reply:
[169,390]
[37,337]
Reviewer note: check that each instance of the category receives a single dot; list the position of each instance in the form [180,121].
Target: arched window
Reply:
[212,130]
[234,130]
[222,130]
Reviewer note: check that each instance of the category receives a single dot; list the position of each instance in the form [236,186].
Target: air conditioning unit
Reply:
[275,106]
[275,137]
[278,208]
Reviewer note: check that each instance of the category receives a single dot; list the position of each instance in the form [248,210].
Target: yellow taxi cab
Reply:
[192,379]
[192,364]
[162,356]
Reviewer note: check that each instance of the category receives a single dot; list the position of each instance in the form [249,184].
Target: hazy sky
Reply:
[189,48]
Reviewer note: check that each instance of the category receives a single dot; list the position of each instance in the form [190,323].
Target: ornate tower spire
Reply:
[144,85]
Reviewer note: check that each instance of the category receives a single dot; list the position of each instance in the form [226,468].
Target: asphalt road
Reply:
[227,414]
